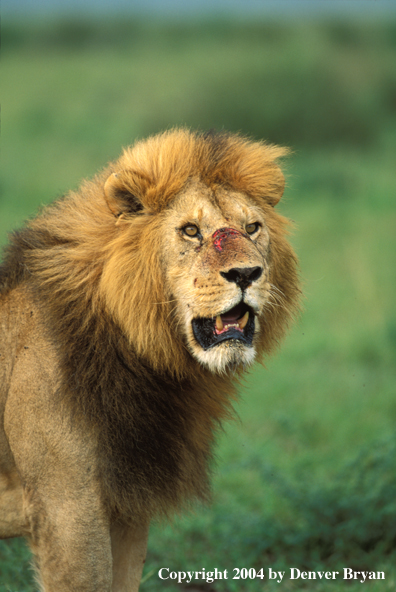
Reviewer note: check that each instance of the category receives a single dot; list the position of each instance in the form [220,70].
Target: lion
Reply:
[128,310]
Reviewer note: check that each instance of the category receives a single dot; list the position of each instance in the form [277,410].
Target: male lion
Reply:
[126,310]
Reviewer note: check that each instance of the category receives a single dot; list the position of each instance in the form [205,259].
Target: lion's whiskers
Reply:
[276,299]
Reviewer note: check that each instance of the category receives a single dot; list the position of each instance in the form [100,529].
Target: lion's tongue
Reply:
[231,319]
[231,316]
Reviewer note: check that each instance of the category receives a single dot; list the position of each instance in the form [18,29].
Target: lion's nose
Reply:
[242,276]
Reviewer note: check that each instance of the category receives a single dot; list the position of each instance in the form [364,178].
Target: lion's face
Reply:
[196,266]
[216,257]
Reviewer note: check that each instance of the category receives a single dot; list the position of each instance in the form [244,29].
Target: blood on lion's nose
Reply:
[223,234]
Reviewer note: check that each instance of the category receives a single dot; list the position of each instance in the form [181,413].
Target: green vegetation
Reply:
[306,477]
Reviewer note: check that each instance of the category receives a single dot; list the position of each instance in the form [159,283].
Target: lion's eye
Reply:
[191,230]
[252,228]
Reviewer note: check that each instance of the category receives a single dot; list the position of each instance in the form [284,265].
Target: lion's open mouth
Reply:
[236,323]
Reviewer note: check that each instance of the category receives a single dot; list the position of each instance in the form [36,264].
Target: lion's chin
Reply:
[227,356]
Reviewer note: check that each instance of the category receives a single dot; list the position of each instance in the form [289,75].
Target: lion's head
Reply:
[198,264]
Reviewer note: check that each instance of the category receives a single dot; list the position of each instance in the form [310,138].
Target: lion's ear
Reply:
[119,195]
[277,189]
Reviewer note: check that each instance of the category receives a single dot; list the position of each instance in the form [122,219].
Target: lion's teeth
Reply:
[219,323]
[243,321]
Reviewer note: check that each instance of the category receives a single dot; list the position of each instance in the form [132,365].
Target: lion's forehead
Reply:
[213,209]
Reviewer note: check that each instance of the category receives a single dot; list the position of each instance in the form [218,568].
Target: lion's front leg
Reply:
[70,538]
[129,545]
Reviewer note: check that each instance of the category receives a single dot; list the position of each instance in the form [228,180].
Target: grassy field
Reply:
[306,476]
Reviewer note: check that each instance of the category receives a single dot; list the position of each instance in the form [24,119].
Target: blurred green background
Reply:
[306,474]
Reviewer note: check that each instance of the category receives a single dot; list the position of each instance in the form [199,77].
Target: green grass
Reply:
[306,475]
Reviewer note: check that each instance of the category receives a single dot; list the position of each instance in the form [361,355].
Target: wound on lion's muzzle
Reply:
[223,234]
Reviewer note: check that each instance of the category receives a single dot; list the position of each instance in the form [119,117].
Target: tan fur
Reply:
[109,401]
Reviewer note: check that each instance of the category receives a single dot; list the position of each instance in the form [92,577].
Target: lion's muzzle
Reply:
[234,255]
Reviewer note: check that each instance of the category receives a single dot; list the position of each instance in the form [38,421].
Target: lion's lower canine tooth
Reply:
[243,321]
[219,323]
